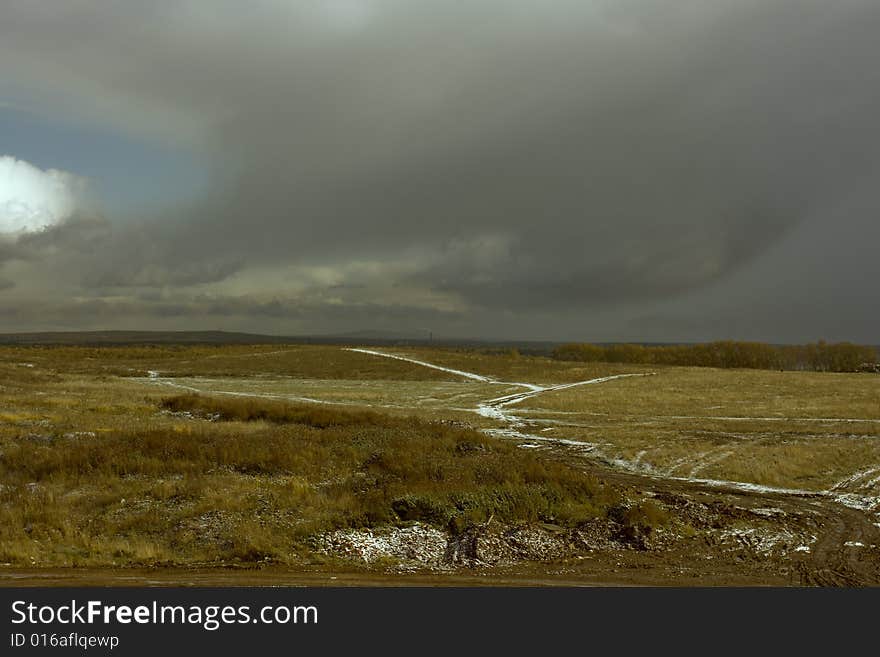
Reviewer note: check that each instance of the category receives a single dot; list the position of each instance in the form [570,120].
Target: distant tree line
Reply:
[820,356]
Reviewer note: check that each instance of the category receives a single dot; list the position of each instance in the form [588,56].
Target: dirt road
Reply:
[847,547]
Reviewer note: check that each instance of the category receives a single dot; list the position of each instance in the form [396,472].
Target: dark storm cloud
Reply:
[77,235]
[516,155]
[7,251]
[131,313]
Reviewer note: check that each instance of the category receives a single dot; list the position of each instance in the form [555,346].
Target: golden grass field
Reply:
[804,430]
[203,455]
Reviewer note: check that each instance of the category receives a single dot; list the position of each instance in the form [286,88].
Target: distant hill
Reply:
[137,337]
[373,338]
[367,338]
[372,334]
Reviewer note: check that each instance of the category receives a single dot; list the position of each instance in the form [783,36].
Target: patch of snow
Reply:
[854,501]
[79,434]
[750,487]
[853,478]
[518,435]
[419,543]
[495,413]
[764,541]
[258,395]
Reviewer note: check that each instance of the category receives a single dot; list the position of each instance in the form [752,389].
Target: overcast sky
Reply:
[519,169]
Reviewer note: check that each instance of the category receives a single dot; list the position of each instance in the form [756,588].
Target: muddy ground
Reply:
[711,537]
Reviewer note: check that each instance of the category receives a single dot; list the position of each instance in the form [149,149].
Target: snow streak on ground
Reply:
[155,378]
[764,541]
[859,477]
[493,407]
[467,375]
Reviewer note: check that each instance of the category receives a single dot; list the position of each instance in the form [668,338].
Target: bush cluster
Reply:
[819,357]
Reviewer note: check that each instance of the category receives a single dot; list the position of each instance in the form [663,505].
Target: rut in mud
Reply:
[845,552]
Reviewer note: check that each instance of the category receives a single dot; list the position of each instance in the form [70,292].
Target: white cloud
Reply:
[32,199]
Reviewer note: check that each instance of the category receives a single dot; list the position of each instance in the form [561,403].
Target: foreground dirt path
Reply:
[847,548]
[844,555]
[166,577]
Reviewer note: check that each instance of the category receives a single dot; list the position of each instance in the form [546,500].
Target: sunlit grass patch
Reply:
[706,392]
[262,479]
[786,429]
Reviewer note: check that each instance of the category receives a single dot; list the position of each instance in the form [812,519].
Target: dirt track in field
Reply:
[847,547]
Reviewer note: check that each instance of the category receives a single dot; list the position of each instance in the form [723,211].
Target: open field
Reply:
[792,430]
[451,463]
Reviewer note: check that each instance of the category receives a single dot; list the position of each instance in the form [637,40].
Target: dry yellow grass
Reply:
[96,470]
[788,429]
[708,392]
[117,480]
[295,361]
[523,368]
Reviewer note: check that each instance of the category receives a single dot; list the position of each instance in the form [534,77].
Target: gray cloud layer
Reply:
[487,166]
